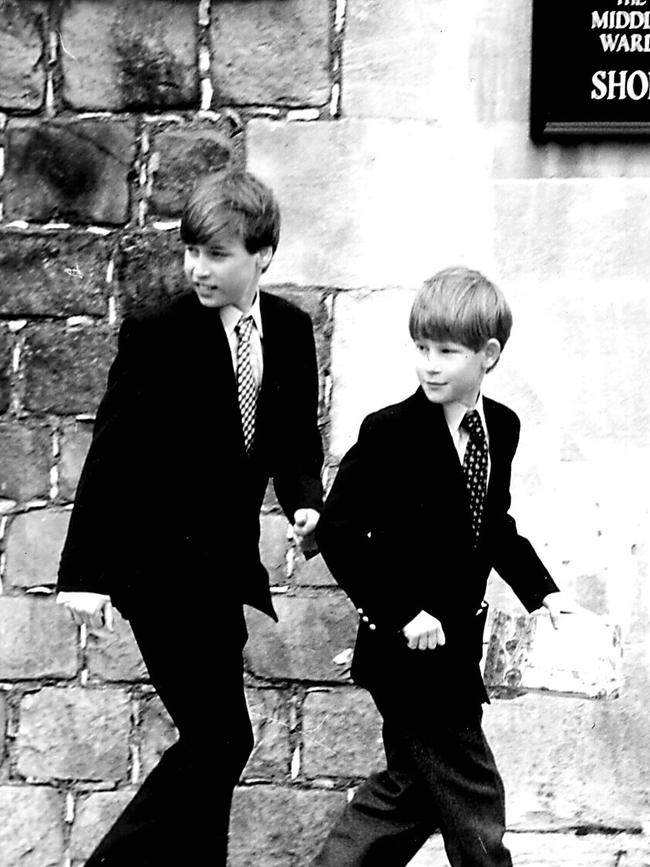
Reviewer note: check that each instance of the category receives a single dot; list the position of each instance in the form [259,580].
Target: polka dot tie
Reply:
[475,469]
[246,385]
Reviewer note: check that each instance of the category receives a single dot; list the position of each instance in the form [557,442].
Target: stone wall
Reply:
[395,134]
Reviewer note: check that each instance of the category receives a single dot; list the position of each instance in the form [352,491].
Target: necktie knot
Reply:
[474,427]
[244,328]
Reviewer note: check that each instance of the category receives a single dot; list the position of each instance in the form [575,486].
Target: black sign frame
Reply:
[590,72]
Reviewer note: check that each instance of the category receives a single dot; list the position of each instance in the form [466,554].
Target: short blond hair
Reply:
[462,306]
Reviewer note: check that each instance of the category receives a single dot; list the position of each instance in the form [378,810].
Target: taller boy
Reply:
[416,519]
[206,399]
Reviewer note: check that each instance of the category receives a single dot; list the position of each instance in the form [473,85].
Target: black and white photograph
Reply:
[324,433]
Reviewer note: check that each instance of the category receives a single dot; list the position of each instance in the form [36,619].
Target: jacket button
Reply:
[372,627]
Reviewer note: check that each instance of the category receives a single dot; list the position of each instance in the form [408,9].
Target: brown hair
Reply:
[235,201]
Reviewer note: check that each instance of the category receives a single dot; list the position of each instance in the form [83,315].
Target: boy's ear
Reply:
[265,254]
[491,353]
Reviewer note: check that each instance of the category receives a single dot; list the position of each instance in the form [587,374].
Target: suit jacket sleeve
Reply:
[513,556]
[344,540]
[297,476]
[86,557]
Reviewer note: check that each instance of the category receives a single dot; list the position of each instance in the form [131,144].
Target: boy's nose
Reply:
[200,267]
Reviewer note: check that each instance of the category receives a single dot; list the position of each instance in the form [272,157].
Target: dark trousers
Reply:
[438,777]
[181,812]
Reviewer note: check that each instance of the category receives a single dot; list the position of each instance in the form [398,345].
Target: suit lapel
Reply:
[272,349]
[211,354]
[210,378]
[443,472]
[270,340]
[206,346]
[500,458]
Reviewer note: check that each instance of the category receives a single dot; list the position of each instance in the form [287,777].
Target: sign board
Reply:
[590,72]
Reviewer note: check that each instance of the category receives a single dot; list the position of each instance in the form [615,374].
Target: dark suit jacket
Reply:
[395,532]
[167,497]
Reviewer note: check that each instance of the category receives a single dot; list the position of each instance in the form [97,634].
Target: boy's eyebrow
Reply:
[219,244]
[211,246]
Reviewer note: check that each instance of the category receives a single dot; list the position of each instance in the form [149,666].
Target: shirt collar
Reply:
[455,412]
[230,316]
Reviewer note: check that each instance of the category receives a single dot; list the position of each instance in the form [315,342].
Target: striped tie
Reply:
[246,385]
[475,465]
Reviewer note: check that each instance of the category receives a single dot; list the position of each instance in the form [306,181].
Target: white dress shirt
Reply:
[454,414]
[230,316]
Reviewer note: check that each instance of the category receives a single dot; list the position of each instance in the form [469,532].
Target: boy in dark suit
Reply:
[416,519]
[206,399]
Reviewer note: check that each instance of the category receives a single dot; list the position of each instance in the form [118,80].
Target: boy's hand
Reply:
[557,603]
[304,524]
[424,632]
[92,610]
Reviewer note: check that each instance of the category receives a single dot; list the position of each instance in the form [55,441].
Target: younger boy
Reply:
[207,398]
[416,519]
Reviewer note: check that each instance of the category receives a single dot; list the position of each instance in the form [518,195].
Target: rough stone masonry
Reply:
[395,133]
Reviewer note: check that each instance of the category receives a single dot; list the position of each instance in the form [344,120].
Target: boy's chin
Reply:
[435,395]
[207,300]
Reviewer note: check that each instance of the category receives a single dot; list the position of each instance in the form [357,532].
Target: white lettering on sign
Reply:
[620,20]
[623,42]
[620,84]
